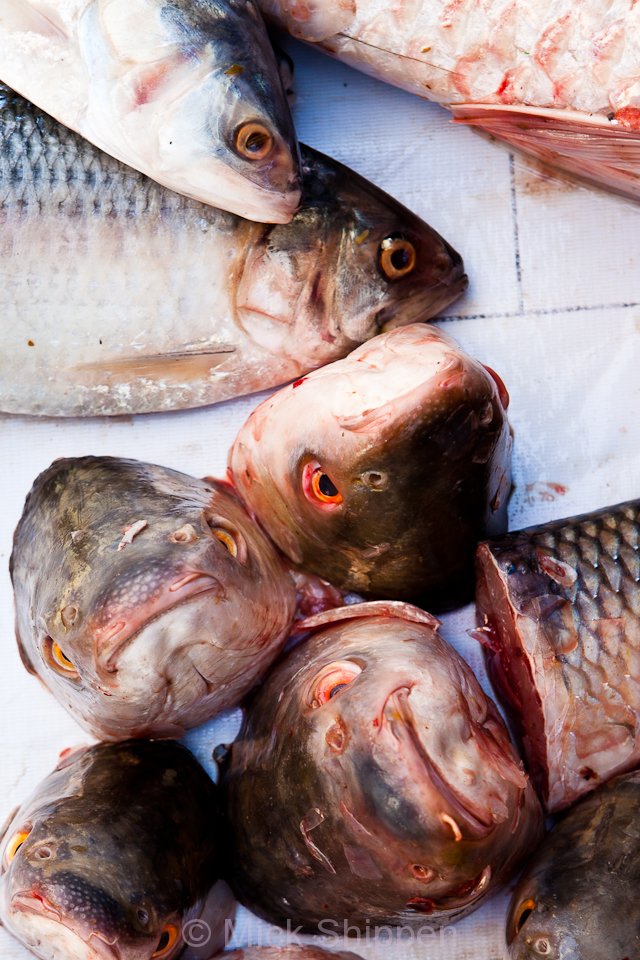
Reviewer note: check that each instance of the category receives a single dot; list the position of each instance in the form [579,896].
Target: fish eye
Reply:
[396,257]
[230,538]
[167,941]
[253,141]
[523,913]
[318,486]
[58,660]
[226,540]
[15,843]
[331,680]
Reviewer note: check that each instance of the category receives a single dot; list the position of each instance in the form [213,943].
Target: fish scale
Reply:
[566,655]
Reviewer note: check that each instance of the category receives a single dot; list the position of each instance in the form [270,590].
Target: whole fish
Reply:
[382,471]
[118,296]
[578,897]
[189,93]
[554,78]
[372,781]
[559,614]
[146,600]
[115,856]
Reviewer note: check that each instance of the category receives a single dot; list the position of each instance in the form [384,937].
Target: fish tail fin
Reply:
[604,151]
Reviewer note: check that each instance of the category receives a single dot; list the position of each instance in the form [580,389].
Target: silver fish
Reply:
[119,296]
[187,92]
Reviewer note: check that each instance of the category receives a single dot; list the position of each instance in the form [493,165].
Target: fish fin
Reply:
[606,152]
[181,365]
[372,608]
[41,19]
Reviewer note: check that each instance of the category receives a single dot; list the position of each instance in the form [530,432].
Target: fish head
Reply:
[403,769]
[352,263]
[148,629]
[380,472]
[202,79]
[82,878]
[65,899]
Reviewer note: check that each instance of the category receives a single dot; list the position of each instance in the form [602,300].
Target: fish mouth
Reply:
[35,905]
[119,633]
[400,719]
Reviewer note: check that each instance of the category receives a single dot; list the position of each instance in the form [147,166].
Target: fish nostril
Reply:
[44,853]
[143,916]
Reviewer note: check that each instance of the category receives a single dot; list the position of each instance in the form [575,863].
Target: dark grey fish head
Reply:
[132,586]
[533,933]
[245,121]
[373,780]
[382,471]
[112,854]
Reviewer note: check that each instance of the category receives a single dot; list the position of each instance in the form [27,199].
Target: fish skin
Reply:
[135,842]
[414,435]
[553,78]
[118,563]
[583,880]
[350,810]
[291,951]
[162,85]
[560,608]
[156,302]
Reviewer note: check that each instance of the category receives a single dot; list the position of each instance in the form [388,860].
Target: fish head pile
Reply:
[146,600]
[112,854]
[352,262]
[381,471]
[373,780]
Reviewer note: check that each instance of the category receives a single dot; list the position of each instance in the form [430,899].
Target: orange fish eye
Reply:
[15,843]
[253,141]
[523,913]
[331,680]
[58,660]
[226,540]
[397,257]
[318,486]
[167,941]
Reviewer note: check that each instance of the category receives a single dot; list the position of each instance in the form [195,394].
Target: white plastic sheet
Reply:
[553,306]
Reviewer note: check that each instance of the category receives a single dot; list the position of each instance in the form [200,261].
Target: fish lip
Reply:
[25,902]
[106,660]
[461,806]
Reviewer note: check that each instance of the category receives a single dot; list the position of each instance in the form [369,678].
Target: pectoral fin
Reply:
[181,366]
[606,152]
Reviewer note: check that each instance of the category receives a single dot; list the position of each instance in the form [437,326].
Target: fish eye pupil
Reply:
[163,941]
[327,487]
[255,142]
[338,687]
[400,258]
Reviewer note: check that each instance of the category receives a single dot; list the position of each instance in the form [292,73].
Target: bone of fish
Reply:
[115,856]
[119,296]
[188,93]
[146,600]
[559,617]
[373,781]
[554,78]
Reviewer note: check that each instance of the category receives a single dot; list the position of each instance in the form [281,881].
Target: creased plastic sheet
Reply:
[553,306]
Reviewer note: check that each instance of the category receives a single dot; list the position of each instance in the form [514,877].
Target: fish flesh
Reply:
[554,78]
[116,855]
[188,93]
[118,296]
[578,896]
[146,600]
[373,781]
[559,617]
[382,471]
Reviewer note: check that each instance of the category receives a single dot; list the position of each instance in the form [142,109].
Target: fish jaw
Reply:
[39,925]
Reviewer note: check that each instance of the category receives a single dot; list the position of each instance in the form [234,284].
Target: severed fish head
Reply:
[380,472]
[113,854]
[146,600]
[373,780]
[352,263]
